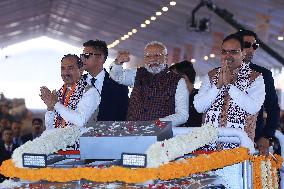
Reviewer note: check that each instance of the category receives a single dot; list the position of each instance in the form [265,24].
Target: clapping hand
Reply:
[226,75]
[48,97]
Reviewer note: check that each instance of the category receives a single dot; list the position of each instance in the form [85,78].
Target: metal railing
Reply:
[231,135]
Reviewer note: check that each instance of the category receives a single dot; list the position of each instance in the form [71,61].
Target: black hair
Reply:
[185,68]
[98,45]
[7,129]
[78,60]
[17,121]
[243,33]
[236,37]
[38,120]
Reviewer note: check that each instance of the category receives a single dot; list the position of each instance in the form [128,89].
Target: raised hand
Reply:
[123,56]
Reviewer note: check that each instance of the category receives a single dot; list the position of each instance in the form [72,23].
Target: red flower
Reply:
[130,128]
[159,123]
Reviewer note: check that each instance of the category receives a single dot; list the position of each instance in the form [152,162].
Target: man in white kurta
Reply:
[75,102]
[232,95]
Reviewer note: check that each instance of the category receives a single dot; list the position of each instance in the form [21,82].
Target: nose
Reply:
[228,55]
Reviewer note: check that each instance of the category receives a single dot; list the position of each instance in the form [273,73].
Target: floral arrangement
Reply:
[49,142]
[172,170]
[165,151]
[265,173]
[160,161]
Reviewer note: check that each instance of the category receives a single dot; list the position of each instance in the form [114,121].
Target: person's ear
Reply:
[81,70]
[166,59]
[243,54]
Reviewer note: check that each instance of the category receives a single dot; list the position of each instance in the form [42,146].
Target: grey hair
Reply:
[165,51]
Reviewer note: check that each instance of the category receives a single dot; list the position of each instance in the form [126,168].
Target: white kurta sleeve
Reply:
[206,95]
[252,100]
[122,76]
[181,105]
[49,119]
[85,108]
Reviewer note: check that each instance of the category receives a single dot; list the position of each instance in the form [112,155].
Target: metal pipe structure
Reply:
[193,23]
[228,17]
[230,135]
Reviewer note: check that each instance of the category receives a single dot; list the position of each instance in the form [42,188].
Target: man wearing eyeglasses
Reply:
[232,95]
[114,96]
[75,102]
[157,92]
[271,106]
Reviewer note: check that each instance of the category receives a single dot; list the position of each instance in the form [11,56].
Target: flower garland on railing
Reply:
[265,174]
[165,151]
[49,142]
[264,169]
[172,170]
[275,166]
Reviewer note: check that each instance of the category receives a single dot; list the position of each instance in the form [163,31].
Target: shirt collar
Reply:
[6,146]
[99,77]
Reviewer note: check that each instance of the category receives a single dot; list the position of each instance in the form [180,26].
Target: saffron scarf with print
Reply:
[73,101]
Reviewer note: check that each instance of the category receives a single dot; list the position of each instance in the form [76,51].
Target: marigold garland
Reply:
[172,170]
[257,182]
[257,171]
[274,174]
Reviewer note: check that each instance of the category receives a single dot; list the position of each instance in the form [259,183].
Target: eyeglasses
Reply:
[152,55]
[249,45]
[87,55]
[232,52]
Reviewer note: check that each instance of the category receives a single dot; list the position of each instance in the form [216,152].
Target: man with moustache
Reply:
[270,106]
[232,95]
[157,92]
[75,102]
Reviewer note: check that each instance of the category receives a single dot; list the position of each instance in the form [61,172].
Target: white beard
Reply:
[155,69]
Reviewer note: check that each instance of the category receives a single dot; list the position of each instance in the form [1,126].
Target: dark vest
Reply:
[195,118]
[114,101]
[153,96]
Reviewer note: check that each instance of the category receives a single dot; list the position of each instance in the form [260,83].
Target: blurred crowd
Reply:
[17,125]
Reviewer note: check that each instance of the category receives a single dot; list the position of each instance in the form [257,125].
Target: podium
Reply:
[108,140]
